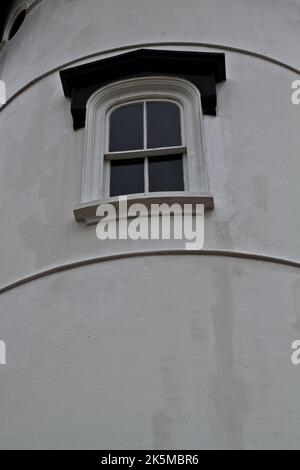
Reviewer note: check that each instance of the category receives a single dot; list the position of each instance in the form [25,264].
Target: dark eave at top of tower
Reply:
[4,11]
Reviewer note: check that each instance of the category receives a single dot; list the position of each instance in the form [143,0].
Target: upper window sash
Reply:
[137,126]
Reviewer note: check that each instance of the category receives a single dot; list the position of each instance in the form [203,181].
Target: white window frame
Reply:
[95,171]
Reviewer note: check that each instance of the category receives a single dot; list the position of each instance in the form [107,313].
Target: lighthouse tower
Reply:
[144,344]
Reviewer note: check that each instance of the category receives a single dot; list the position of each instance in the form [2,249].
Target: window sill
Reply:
[87,212]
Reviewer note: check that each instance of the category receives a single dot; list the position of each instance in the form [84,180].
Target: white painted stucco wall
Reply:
[67,31]
[185,352]
[211,333]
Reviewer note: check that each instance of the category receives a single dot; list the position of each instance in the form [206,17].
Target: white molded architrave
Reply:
[165,88]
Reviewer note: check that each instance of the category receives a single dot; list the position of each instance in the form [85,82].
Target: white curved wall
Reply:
[59,31]
[252,150]
[216,317]
[200,359]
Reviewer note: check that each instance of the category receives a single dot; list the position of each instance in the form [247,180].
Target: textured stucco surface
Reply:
[162,351]
[185,352]
[58,31]
[252,149]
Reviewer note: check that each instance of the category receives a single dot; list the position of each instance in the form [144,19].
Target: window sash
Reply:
[147,155]
[145,123]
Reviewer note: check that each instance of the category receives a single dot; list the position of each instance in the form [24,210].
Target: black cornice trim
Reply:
[203,69]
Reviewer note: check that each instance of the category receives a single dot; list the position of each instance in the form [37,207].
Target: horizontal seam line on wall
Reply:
[141,45]
[150,253]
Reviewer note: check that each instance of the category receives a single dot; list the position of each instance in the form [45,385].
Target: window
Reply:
[144,136]
[19,20]
[145,148]
[15,20]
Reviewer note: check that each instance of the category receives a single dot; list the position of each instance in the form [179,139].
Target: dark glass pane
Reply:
[127,177]
[166,174]
[163,125]
[127,128]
